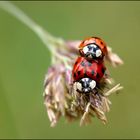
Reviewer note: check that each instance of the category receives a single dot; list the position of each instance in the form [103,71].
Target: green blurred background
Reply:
[24,61]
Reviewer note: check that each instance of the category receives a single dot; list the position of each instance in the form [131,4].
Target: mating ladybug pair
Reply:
[89,68]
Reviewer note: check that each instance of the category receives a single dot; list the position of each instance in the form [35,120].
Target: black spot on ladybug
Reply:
[103,70]
[101,42]
[76,63]
[82,63]
[97,76]
[89,64]
[79,72]
[74,74]
[92,72]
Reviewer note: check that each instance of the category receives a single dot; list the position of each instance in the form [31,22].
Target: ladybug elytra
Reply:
[87,74]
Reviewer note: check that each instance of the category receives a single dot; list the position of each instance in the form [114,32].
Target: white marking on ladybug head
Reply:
[92,84]
[85,90]
[91,45]
[85,49]
[86,79]
[94,46]
[79,86]
[98,53]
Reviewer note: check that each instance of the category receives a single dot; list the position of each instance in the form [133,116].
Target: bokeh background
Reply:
[24,60]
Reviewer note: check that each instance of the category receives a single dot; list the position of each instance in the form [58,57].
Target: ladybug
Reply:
[87,74]
[93,48]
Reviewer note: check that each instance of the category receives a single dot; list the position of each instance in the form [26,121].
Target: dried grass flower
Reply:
[61,97]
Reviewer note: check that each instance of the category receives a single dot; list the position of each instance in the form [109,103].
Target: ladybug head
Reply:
[91,51]
[93,48]
[85,85]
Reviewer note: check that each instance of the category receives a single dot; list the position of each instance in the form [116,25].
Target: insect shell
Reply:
[93,48]
[87,74]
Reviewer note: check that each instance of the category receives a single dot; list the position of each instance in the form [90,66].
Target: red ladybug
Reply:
[93,48]
[87,73]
